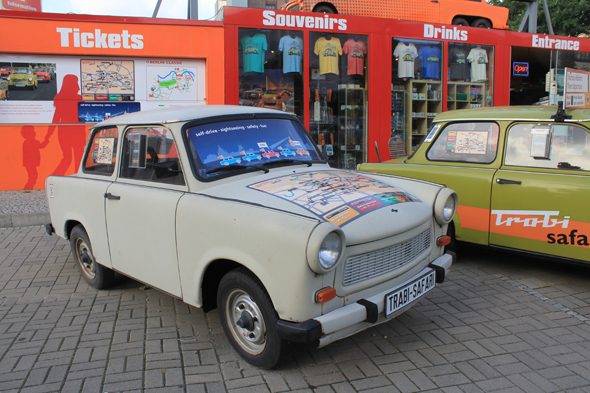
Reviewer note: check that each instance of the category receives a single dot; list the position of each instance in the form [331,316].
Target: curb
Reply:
[24,219]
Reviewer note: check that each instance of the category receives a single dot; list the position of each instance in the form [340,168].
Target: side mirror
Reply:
[166,169]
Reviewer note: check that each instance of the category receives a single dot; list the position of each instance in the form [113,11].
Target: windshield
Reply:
[21,71]
[256,143]
[40,70]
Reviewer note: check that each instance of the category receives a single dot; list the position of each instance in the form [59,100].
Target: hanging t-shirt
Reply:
[253,50]
[430,57]
[328,51]
[356,51]
[406,55]
[292,49]
[458,67]
[478,58]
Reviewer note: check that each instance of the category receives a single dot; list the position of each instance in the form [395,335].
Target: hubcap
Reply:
[85,258]
[245,322]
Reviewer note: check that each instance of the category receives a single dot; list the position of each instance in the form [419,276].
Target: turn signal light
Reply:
[325,295]
[443,241]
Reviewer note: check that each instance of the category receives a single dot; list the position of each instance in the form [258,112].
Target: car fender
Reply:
[262,239]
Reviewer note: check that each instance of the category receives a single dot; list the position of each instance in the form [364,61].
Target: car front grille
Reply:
[372,264]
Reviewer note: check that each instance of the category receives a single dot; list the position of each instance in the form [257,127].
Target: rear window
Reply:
[475,142]
[102,152]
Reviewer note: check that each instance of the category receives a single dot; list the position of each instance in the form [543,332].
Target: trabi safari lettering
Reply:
[543,219]
[271,18]
[98,39]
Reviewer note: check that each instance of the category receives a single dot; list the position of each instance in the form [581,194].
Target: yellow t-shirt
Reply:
[328,51]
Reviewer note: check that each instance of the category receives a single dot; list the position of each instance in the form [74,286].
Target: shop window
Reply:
[338,96]
[471,72]
[270,72]
[554,146]
[416,90]
[101,155]
[466,142]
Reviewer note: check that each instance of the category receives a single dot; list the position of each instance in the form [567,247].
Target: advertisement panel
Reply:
[149,83]
[21,5]
[576,89]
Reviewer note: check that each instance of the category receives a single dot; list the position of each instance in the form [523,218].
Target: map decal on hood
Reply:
[336,196]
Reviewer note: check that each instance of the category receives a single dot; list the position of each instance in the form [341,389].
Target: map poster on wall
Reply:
[107,80]
[576,89]
[171,83]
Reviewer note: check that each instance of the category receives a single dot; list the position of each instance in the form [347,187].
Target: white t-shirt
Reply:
[406,55]
[478,58]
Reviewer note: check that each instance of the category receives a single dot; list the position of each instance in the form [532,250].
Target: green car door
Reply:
[540,193]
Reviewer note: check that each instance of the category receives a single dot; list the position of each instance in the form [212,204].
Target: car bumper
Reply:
[358,316]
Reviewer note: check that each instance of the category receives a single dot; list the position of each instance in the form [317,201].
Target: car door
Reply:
[141,210]
[540,193]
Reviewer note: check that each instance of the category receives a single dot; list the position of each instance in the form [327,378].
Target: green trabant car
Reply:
[522,175]
[22,77]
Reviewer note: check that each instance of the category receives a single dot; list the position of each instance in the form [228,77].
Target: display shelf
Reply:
[351,127]
[424,103]
[463,95]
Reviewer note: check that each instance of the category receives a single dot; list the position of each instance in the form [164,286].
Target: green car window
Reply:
[475,142]
[566,145]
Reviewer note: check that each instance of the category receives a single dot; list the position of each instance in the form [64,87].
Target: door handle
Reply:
[108,195]
[504,181]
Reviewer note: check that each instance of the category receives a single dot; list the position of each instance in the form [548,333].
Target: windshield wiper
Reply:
[567,165]
[287,161]
[235,167]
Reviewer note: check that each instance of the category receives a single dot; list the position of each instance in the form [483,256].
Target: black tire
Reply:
[482,23]
[242,300]
[325,9]
[95,274]
[460,22]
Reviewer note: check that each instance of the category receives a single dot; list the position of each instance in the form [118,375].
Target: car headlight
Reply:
[330,251]
[325,248]
[30,78]
[445,206]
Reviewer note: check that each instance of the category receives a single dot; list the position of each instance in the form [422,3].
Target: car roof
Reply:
[181,114]
[513,113]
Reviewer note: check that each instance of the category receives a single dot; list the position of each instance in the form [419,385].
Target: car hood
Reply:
[21,76]
[365,207]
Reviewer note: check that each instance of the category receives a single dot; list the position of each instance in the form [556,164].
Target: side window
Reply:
[149,153]
[102,152]
[557,146]
[475,142]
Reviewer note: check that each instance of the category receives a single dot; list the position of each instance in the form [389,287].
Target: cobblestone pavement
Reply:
[499,324]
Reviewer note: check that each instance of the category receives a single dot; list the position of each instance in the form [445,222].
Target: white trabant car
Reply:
[285,247]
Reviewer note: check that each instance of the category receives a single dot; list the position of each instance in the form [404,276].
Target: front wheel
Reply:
[248,318]
[93,273]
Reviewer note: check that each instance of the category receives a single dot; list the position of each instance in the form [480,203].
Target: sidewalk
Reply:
[23,208]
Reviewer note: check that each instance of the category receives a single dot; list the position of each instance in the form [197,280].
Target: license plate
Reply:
[405,295]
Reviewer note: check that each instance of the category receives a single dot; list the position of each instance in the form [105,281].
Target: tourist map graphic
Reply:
[471,142]
[172,83]
[336,196]
[115,78]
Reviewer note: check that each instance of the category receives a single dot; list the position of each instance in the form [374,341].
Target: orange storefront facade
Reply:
[364,87]
[98,67]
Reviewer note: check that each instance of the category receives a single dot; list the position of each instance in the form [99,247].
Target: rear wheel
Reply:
[483,23]
[93,273]
[248,318]
[460,22]
[325,9]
